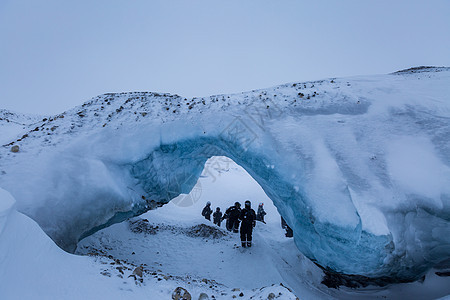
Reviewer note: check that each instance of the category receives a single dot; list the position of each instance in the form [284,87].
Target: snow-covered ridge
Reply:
[421,69]
[18,118]
[357,166]
[12,124]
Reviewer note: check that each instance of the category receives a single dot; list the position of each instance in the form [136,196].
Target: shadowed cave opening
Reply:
[165,238]
[170,170]
[173,169]
[223,182]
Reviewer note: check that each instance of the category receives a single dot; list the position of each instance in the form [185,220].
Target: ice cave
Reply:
[359,168]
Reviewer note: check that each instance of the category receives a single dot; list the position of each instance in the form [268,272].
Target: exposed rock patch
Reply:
[181,294]
[205,231]
[197,231]
[142,226]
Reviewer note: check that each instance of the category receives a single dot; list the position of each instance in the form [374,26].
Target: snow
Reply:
[415,166]
[7,204]
[9,132]
[33,267]
[273,258]
[327,173]
[30,259]
[357,166]
[13,123]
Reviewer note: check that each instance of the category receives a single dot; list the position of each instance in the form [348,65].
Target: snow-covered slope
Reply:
[173,254]
[12,124]
[358,166]
[33,267]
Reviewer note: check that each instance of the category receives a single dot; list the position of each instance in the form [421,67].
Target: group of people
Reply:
[234,216]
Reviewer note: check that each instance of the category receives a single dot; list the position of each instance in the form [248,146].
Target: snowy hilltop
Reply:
[13,123]
[358,167]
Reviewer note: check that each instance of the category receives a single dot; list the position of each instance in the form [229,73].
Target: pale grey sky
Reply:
[56,54]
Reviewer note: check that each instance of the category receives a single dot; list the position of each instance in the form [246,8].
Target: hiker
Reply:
[248,218]
[217,216]
[261,213]
[232,216]
[206,212]
[285,226]
[283,223]
[289,232]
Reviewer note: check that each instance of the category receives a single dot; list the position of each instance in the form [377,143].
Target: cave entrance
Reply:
[222,182]
[167,243]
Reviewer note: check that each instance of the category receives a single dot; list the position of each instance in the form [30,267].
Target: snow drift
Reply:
[358,167]
[32,266]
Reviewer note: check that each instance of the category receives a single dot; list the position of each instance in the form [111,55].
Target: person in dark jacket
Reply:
[232,216]
[248,218]
[207,211]
[285,226]
[261,213]
[289,232]
[217,216]
[283,223]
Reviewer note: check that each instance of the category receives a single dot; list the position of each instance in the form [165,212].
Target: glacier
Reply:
[358,167]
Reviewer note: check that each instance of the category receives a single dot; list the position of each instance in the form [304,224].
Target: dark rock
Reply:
[15,149]
[138,271]
[335,280]
[203,296]
[142,226]
[181,294]
[205,231]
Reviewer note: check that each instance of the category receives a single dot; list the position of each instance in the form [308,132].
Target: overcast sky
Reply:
[57,54]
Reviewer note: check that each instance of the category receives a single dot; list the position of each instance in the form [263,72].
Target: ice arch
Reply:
[315,239]
[361,174]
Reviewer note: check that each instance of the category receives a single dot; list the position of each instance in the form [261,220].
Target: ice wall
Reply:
[359,167]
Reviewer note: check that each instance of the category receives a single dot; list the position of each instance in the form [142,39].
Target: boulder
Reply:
[181,294]
[203,296]
[15,148]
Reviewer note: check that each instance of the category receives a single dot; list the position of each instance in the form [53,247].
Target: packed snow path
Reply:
[358,167]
